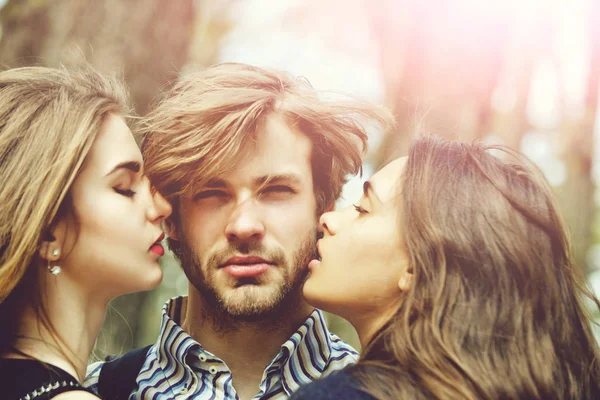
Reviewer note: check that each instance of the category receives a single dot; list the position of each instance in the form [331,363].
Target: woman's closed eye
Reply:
[125,181]
[124,192]
[360,209]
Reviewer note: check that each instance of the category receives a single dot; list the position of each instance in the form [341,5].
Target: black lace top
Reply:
[30,379]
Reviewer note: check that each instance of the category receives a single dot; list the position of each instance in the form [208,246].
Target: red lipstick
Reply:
[156,247]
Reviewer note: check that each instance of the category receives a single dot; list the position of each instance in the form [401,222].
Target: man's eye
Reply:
[124,192]
[209,193]
[278,189]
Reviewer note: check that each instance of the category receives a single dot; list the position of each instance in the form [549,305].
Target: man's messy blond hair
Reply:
[201,127]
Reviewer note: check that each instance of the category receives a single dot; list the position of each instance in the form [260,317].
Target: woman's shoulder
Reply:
[25,377]
[76,395]
[339,385]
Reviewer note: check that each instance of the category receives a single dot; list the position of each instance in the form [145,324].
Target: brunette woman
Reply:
[455,269]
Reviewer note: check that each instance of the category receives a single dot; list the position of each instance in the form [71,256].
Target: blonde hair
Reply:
[496,308]
[49,119]
[201,127]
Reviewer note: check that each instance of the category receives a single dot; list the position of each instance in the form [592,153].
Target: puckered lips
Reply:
[315,263]
[156,247]
[246,266]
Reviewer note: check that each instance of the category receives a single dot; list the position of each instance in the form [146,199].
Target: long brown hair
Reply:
[49,119]
[496,307]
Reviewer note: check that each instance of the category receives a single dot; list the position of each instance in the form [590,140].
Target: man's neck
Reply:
[245,347]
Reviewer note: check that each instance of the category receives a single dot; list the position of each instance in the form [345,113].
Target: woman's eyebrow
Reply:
[132,166]
[368,187]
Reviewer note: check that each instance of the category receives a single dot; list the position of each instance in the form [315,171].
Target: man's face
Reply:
[247,237]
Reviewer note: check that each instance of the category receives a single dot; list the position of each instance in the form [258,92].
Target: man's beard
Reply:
[227,312]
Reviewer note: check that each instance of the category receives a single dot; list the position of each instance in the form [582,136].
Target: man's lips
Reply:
[246,266]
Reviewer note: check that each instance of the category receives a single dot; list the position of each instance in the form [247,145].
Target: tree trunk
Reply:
[577,195]
[145,40]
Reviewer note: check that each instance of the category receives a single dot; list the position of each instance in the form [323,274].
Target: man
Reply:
[249,158]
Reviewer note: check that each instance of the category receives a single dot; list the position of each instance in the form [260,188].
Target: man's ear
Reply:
[171,229]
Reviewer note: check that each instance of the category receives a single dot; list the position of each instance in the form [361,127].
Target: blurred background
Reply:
[522,73]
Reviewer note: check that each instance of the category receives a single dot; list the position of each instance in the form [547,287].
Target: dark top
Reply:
[22,378]
[339,385]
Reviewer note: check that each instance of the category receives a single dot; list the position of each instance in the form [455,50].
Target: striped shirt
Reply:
[177,366]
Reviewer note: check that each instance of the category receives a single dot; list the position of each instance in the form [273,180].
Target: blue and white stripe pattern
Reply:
[178,367]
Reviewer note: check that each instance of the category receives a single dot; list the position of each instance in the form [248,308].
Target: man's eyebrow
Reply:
[293,179]
[133,166]
[215,183]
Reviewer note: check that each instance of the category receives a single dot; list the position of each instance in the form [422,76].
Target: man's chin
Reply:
[252,302]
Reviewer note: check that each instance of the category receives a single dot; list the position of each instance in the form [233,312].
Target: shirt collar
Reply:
[305,355]
[173,344]
[302,358]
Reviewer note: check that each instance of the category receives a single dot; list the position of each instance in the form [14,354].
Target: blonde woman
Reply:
[79,224]
[454,268]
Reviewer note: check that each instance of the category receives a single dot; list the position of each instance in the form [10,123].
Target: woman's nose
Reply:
[160,208]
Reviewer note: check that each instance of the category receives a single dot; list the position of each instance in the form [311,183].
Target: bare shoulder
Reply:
[76,395]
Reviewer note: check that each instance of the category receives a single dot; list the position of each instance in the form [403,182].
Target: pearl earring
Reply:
[55,269]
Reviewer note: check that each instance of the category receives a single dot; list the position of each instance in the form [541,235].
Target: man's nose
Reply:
[245,223]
